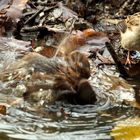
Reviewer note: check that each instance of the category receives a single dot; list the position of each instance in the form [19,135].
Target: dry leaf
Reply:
[3,109]
[90,33]
[83,41]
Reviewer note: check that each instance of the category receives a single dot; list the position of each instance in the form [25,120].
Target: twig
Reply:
[119,65]
[34,15]
[47,9]
[28,14]
[102,63]
[42,28]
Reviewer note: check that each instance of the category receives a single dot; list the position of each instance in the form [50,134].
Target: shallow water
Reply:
[65,121]
[74,122]
[62,121]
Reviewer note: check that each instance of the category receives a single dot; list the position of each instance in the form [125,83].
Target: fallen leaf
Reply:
[84,41]
[91,32]
[3,109]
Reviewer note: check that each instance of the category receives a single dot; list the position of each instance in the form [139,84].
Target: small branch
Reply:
[119,65]
[34,15]
[42,28]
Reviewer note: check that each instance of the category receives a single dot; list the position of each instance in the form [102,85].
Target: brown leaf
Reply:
[83,41]
[3,109]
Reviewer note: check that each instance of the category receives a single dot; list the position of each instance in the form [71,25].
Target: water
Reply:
[62,122]
[25,121]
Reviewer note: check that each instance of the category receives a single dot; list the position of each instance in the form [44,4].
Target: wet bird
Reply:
[52,79]
[130,34]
